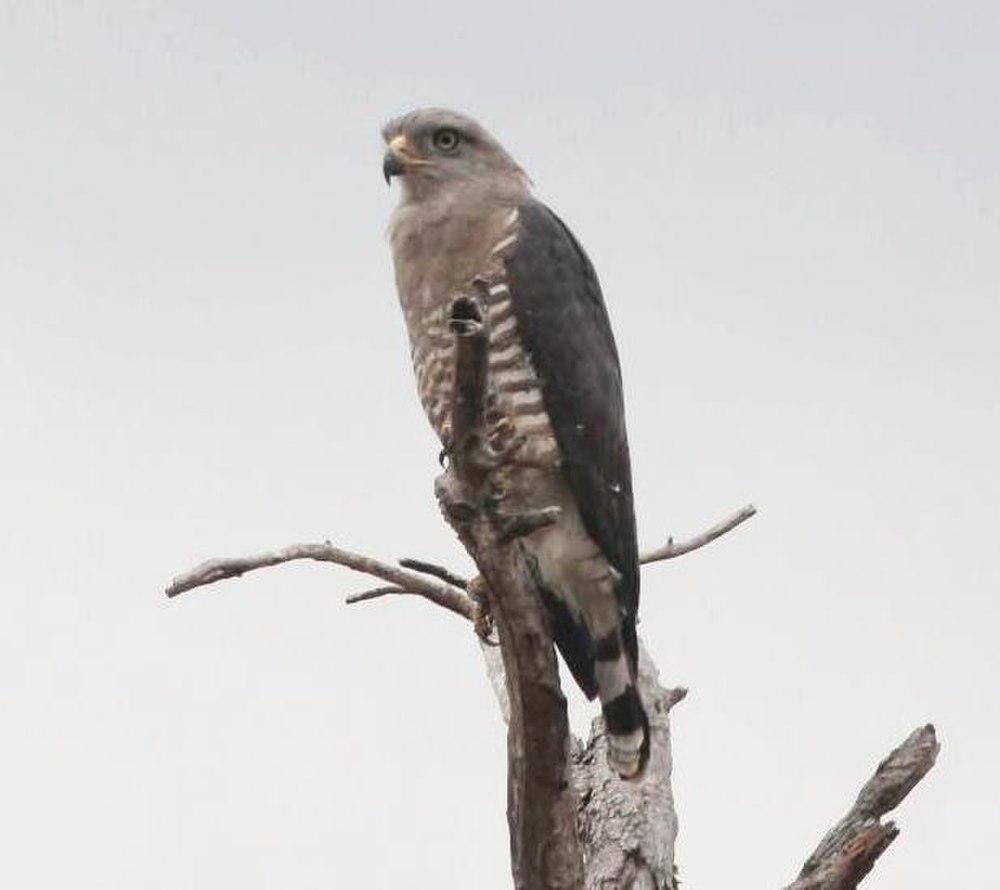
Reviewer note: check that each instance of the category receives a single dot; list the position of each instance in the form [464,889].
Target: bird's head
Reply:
[432,149]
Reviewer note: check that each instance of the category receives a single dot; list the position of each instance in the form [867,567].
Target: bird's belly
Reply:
[432,350]
[571,565]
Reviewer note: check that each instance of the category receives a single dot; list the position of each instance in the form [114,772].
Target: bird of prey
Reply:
[466,214]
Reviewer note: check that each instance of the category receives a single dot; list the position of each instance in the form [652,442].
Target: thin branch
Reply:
[670,550]
[446,595]
[372,594]
[850,848]
[433,569]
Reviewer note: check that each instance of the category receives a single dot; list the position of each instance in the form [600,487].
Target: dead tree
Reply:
[573,823]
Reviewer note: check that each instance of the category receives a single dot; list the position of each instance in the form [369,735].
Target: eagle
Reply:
[467,215]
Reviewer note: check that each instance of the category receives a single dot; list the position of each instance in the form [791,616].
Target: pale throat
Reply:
[440,242]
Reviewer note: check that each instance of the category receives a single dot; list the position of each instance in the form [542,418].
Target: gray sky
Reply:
[794,212]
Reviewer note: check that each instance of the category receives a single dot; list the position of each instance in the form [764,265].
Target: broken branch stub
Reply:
[541,802]
[849,850]
[470,327]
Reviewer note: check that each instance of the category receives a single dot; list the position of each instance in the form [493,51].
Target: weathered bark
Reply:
[628,829]
[541,800]
[849,850]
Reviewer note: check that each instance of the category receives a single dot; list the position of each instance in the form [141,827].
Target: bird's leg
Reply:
[502,436]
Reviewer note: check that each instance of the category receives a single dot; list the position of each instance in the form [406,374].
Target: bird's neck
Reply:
[441,242]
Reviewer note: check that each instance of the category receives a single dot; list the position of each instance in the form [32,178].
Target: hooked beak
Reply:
[399,158]
[392,165]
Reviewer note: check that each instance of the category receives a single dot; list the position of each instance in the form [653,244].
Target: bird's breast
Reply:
[428,284]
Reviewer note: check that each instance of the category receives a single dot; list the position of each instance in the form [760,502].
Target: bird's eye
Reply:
[446,139]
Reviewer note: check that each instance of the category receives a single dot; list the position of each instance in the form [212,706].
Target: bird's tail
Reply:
[624,714]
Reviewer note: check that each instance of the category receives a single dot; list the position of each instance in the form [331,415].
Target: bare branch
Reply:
[445,595]
[670,550]
[372,594]
[850,848]
[214,570]
[433,569]
[450,596]
[674,696]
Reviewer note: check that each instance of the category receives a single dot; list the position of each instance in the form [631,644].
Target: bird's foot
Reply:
[483,619]
[500,444]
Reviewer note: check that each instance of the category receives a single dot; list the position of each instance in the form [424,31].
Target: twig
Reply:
[446,595]
[670,550]
[372,594]
[431,568]
[850,848]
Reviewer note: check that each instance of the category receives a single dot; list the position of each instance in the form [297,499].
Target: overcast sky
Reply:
[795,212]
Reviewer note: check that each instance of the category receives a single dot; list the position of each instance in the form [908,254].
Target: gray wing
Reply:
[564,327]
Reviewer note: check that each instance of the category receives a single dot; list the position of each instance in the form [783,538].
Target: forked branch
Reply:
[441,593]
[850,848]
